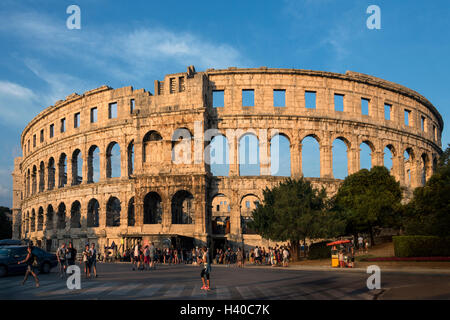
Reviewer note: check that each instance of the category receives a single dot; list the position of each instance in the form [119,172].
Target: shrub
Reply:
[421,246]
[319,250]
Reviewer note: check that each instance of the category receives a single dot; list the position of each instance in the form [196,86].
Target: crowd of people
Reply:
[67,256]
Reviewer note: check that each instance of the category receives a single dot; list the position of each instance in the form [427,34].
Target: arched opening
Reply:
[49,220]
[280,156]
[388,157]
[75,215]
[92,214]
[408,157]
[113,212]
[34,180]
[61,222]
[152,147]
[131,213]
[221,209]
[77,168]
[51,174]
[93,164]
[219,156]
[113,160]
[40,224]
[33,221]
[311,157]
[425,168]
[28,182]
[152,208]
[130,158]
[182,146]
[182,208]
[340,149]
[248,204]
[365,155]
[41,176]
[62,166]
[249,162]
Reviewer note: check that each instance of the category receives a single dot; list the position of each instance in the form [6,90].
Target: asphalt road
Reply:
[118,281]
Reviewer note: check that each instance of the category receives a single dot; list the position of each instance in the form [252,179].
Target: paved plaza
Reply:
[181,282]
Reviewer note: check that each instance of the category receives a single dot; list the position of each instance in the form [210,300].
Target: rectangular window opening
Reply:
[112,110]
[407,116]
[34,141]
[42,136]
[93,115]
[76,120]
[132,105]
[172,85]
[338,102]
[387,111]
[365,106]
[423,123]
[248,97]
[63,125]
[181,85]
[52,130]
[310,99]
[279,97]
[218,98]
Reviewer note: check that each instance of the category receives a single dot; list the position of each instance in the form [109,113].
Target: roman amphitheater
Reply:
[121,165]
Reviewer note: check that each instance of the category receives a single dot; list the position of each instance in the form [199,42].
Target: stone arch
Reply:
[113,209]
[409,159]
[93,213]
[77,167]
[51,171]
[75,215]
[310,154]
[248,155]
[182,208]
[221,210]
[93,164]
[341,157]
[41,176]
[62,170]
[40,219]
[33,220]
[153,210]
[49,221]
[218,155]
[389,150]
[280,155]
[113,160]
[152,147]
[131,213]
[366,150]
[130,158]
[182,146]
[247,204]
[61,216]
[425,168]
[34,180]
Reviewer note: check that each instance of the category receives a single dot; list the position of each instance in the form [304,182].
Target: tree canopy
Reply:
[369,199]
[429,211]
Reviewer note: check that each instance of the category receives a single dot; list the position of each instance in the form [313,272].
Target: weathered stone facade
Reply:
[156,198]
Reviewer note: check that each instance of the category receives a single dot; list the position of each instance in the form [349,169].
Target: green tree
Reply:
[5,224]
[292,211]
[428,213]
[369,199]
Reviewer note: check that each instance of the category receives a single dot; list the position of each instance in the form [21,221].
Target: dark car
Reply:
[10,255]
[11,242]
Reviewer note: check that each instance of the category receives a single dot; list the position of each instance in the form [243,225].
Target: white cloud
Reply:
[17,103]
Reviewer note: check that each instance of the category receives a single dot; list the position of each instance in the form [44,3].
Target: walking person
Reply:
[31,261]
[61,257]
[152,256]
[146,258]
[240,258]
[206,270]
[360,243]
[285,257]
[71,254]
[86,260]
[93,259]
[136,255]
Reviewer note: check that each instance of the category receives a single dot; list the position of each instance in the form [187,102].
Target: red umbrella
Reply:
[338,242]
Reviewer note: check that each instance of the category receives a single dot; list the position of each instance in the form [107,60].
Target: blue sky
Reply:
[125,43]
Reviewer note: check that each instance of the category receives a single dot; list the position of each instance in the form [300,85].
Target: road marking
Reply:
[175,292]
[246,293]
[149,291]
[223,293]
[123,290]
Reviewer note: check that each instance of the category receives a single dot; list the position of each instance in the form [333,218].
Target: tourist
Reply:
[206,270]
[71,254]
[285,257]
[136,256]
[240,258]
[360,243]
[61,257]
[341,259]
[152,252]
[93,259]
[86,260]
[146,258]
[31,260]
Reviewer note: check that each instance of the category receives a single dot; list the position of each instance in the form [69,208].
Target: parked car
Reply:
[10,255]
[11,242]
